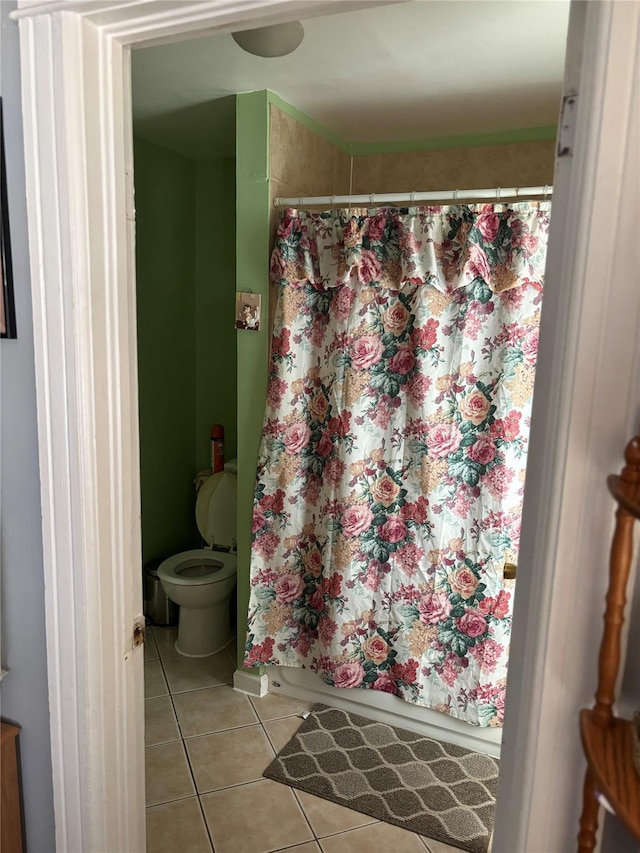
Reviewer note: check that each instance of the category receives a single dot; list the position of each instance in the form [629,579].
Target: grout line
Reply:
[230,787]
[349,829]
[295,796]
[206,825]
[198,689]
[233,657]
[217,731]
[164,680]
[192,689]
[254,699]
[292,846]
[236,785]
[188,757]
[266,734]
[175,714]
[301,807]
[161,695]
[153,643]
[273,746]
[168,802]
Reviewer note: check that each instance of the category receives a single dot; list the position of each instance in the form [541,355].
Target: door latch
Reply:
[139,632]
[567,129]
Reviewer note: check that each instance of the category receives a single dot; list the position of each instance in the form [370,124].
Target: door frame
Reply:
[79,164]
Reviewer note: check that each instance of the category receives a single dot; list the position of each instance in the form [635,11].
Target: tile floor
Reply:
[206,748]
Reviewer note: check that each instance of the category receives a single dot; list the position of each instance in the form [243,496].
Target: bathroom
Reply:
[206,174]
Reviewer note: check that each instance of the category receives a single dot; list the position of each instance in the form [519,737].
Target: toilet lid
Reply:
[216,510]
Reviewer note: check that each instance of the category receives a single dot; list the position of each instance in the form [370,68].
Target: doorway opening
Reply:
[290,140]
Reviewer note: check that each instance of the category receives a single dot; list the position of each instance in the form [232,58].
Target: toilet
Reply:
[202,580]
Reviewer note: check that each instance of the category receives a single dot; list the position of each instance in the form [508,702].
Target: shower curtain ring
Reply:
[413,197]
[455,195]
[499,193]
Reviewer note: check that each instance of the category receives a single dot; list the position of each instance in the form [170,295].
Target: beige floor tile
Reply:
[327,818]
[377,836]
[154,683]
[193,673]
[160,724]
[177,826]
[255,818]
[167,772]
[232,651]
[165,639]
[212,710]
[229,758]
[271,707]
[281,731]
[150,648]
[309,847]
[434,846]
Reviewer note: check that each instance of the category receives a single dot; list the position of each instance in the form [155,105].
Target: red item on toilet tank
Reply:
[217,448]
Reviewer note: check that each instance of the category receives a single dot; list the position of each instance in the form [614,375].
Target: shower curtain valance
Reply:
[446,247]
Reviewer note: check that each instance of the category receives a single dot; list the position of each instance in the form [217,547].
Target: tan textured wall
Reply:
[303,163]
[513,164]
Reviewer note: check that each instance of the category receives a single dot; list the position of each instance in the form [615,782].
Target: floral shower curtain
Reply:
[392,463]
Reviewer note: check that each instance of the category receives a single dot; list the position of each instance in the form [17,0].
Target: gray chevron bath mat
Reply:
[436,789]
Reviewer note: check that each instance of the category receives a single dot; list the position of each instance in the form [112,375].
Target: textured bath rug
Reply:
[436,789]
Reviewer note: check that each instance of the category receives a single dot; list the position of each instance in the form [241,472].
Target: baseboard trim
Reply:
[252,685]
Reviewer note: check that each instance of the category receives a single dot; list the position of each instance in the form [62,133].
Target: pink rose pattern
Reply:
[391,470]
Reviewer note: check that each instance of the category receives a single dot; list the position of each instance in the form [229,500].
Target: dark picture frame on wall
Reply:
[7,304]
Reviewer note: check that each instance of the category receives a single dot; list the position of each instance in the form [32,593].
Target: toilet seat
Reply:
[177,568]
[216,509]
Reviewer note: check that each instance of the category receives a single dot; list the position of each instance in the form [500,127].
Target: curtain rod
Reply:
[376,199]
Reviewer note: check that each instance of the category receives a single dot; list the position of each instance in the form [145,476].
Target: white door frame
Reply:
[78,149]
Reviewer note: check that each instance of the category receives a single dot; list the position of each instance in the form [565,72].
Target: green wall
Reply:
[252,242]
[165,274]
[185,271]
[216,363]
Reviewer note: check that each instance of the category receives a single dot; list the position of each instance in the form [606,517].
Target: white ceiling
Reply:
[413,70]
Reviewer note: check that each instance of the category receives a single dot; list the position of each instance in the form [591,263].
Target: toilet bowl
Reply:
[202,580]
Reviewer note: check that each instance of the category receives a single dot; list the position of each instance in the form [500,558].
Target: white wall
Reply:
[23,692]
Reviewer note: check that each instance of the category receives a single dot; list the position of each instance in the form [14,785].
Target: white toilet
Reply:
[201,581]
